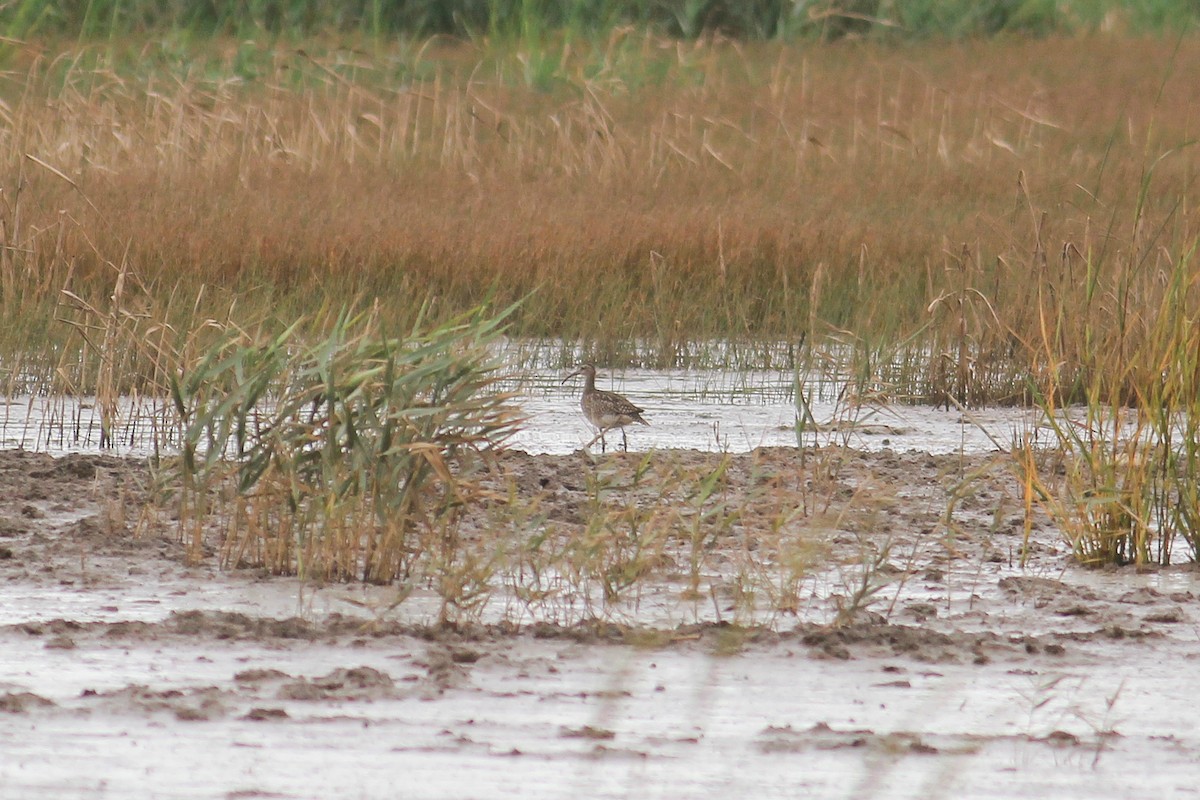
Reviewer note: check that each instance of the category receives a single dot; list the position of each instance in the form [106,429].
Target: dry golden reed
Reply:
[641,190]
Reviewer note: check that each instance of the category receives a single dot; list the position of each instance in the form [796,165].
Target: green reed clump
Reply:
[345,457]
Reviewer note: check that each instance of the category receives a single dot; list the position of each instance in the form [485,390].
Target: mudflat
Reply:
[129,670]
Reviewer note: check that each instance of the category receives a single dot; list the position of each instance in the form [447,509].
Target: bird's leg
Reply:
[624,441]
[599,436]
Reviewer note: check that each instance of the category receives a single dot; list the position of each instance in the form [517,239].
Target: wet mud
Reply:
[971,666]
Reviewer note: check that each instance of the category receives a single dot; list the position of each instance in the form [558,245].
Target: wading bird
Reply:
[605,410]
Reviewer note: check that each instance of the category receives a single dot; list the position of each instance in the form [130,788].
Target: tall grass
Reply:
[1122,487]
[363,457]
[342,458]
[648,197]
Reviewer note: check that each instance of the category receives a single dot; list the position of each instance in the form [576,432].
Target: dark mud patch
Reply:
[259,676]
[193,704]
[22,702]
[450,652]
[884,639]
[35,480]
[230,625]
[822,736]
[352,684]
[785,739]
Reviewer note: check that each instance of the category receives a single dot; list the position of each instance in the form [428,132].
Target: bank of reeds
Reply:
[648,197]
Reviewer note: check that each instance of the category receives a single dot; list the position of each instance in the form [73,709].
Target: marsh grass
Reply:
[1124,492]
[658,197]
[1122,487]
[665,534]
[347,457]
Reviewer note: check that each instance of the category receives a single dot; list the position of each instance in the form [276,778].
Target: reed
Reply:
[647,197]
[1124,492]
[345,457]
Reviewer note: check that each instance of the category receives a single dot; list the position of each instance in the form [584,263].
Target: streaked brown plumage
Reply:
[605,410]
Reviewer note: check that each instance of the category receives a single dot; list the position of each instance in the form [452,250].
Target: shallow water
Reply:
[700,410]
[737,412]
